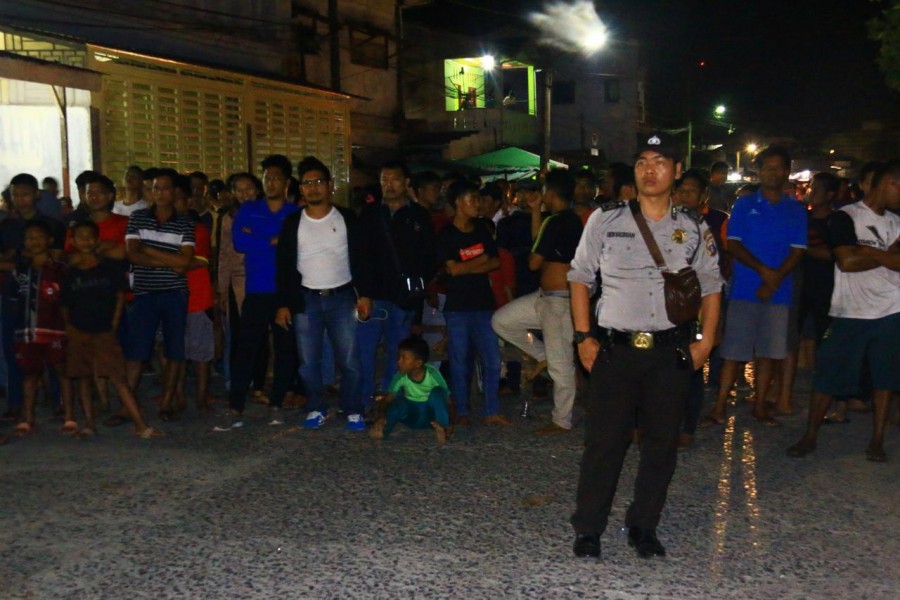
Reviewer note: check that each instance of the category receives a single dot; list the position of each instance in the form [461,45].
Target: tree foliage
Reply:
[885,30]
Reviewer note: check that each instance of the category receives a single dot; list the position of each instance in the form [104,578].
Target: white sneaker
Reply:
[276,416]
[229,421]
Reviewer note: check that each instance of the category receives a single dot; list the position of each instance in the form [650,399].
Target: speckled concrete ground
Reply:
[283,513]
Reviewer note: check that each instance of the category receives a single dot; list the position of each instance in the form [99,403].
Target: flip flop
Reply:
[150,433]
[766,420]
[710,420]
[24,429]
[876,455]
[86,433]
[116,420]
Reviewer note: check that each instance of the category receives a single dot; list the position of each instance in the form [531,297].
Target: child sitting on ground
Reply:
[93,296]
[39,330]
[418,394]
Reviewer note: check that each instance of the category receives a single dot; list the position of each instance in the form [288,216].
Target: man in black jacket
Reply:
[322,281]
[399,242]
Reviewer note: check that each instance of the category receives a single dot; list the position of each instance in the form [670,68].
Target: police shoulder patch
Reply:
[612,205]
[710,243]
[694,215]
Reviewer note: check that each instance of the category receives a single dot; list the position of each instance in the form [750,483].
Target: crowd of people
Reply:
[249,271]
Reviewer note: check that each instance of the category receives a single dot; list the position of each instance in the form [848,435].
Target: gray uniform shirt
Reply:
[632,296]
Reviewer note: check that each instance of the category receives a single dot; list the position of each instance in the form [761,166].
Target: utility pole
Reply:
[334,45]
[545,125]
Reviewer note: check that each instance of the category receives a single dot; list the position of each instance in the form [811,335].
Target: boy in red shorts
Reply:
[40,330]
[93,296]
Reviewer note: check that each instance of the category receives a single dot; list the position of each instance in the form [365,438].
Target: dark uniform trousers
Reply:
[652,383]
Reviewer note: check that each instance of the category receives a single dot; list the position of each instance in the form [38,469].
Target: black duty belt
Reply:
[330,291]
[644,340]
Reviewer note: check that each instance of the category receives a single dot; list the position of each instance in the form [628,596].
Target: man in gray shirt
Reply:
[639,361]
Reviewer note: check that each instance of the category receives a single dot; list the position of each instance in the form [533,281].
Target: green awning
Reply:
[509,160]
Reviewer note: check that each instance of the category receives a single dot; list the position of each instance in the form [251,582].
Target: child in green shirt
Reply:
[418,394]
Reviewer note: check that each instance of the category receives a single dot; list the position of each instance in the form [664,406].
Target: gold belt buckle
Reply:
[642,340]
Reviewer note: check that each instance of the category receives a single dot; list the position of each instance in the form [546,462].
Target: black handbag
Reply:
[682,288]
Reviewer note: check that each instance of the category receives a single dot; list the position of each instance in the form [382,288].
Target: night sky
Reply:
[797,68]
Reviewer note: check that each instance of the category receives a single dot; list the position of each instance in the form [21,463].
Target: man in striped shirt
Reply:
[160,245]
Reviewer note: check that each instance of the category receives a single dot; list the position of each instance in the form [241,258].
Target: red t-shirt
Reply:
[503,277]
[112,229]
[439,221]
[199,281]
[39,318]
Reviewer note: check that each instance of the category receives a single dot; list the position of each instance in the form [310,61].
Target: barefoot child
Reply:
[39,330]
[93,295]
[418,394]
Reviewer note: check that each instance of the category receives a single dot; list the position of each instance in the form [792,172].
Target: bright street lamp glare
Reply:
[751,147]
[720,110]
[595,40]
[488,62]
[571,25]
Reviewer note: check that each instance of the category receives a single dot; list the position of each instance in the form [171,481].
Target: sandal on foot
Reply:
[116,420]
[86,433]
[24,429]
[875,455]
[833,421]
[150,433]
[765,419]
[710,420]
[69,427]
[801,449]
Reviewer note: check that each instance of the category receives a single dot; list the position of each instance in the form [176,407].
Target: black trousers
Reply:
[652,384]
[256,320]
[261,366]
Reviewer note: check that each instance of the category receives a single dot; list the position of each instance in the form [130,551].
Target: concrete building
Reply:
[464,96]
[198,84]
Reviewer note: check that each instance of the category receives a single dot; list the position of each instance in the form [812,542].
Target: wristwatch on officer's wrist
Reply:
[580,336]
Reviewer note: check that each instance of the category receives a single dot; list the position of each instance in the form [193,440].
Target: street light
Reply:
[751,149]
[718,113]
[488,62]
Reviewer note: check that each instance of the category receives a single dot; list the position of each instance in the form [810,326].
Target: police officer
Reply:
[639,361]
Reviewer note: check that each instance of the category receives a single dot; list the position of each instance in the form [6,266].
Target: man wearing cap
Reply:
[639,361]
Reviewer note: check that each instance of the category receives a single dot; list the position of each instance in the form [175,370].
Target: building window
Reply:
[368,49]
[612,92]
[464,84]
[563,92]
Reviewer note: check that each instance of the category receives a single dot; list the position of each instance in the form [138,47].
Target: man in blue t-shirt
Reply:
[767,236]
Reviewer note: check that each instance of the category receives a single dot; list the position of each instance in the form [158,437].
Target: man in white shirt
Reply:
[865,305]
[133,199]
[322,282]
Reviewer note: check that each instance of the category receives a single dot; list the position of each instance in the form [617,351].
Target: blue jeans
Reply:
[465,329]
[329,376]
[393,324]
[332,315]
[146,313]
